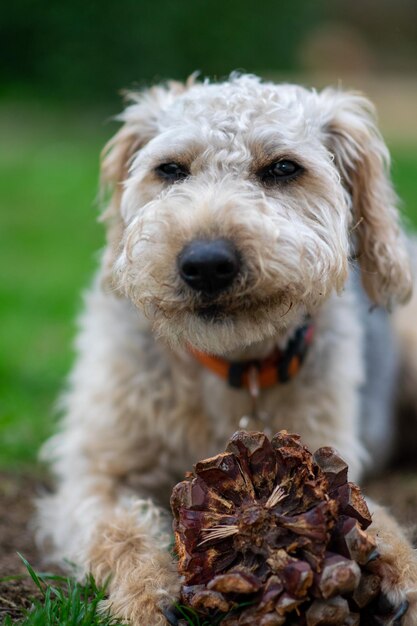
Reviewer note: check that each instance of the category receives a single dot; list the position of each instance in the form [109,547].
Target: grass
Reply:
[60,601]
[404,172]
[48,243]
[49,240]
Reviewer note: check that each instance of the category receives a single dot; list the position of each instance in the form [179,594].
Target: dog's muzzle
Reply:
[209,266]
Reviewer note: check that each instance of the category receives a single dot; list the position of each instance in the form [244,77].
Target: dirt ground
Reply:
[16,510]
[397,490]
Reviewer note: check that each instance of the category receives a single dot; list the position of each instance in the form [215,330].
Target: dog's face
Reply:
[236,206]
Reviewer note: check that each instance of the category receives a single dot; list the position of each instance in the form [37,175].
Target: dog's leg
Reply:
[110,455]
[397,564]
[131,544]
[120,539]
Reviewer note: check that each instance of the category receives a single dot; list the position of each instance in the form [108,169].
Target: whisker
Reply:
[288,310]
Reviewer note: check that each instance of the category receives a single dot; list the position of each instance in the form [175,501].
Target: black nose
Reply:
[209,266]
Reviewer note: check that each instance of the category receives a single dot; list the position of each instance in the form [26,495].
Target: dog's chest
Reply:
[228,409]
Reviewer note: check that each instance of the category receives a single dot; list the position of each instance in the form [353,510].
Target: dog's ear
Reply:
[362,159]
[140,125]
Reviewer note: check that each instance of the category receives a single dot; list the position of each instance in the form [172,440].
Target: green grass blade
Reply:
[38,582]
[64,603]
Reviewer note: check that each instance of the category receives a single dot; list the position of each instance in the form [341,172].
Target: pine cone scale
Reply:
[274,534]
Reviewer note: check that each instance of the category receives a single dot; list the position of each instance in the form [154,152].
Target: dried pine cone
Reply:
[271,526]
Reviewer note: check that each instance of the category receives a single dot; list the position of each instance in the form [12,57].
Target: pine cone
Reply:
[270,526]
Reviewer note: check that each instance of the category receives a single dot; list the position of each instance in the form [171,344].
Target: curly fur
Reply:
[139,410]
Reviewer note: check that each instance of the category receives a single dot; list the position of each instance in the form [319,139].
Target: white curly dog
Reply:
[241,215]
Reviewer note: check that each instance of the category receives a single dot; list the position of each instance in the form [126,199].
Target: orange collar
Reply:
[279,367]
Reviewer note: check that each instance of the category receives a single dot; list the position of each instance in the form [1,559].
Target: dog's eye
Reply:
[280,171]
[172,171]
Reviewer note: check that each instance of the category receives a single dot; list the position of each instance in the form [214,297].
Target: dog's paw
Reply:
[141,596]
[397,603]
[383,613]
[135,613]
[141,609]
[397,568]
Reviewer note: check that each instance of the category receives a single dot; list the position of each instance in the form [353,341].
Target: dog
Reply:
[253,250]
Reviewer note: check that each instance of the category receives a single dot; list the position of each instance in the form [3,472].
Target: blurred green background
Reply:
[62,64]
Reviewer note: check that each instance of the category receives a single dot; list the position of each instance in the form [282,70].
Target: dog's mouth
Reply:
[230,308]
[212,313]
[226,311]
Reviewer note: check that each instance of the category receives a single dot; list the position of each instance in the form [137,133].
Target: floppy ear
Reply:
[140,125]
[363,162]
